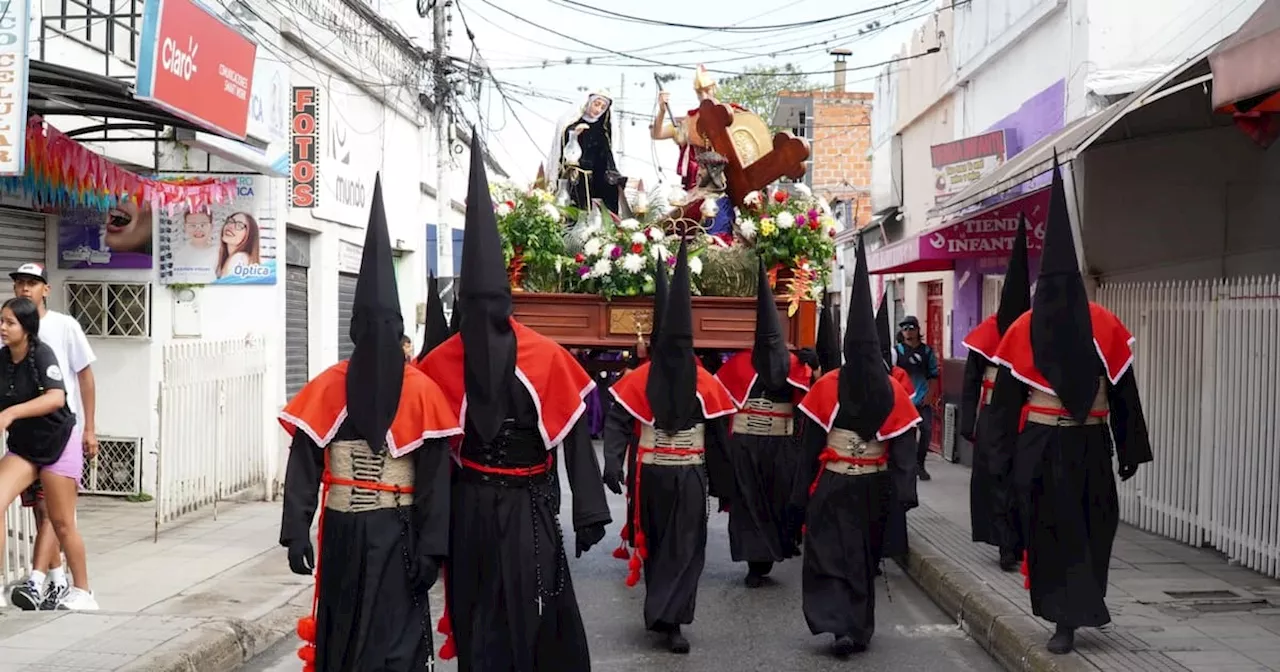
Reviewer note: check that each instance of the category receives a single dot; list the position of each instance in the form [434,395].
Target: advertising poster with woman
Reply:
[118,238]
[227,244]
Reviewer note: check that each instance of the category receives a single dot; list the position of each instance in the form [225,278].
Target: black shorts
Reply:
[33,494]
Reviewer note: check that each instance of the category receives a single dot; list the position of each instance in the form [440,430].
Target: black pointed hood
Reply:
[375,372]
[865,396]
[1015,296]
[436,329]
[883,330]
[660,292]
[828,345]
[1061,330]
[672,387]
[488,341]
[769,354]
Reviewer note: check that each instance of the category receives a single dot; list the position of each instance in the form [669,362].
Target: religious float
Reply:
[582,271]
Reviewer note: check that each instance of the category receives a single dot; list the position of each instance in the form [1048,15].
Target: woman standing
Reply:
[596,175]
[43,442]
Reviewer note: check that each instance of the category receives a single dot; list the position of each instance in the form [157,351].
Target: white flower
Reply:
[752,198]
[655,234]
[747,227]
[633,263]
[629,224]
[601,268]
[639,237]
[677,196]
[502,210]
[550,210]
[802,189]
[592,247]
[785,220]
[816,292]
[660,252]
[709,208]
[695,265]
[559,264]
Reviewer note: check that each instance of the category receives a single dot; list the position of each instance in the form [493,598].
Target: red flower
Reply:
[511,204]
[813,225]
[637,248]
[579,258]
[780,196]
[831,233]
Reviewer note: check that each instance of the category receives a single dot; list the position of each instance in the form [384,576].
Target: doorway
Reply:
[934,328]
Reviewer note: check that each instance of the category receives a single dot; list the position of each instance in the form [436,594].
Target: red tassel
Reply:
[633,576]
[308,654]
[308,667]
[445,625]
[621,552]
[1026,571]
[626,532]
[449,651]
[307,629]
[642,545]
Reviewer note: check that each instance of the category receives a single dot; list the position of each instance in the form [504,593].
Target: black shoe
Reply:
[844,647]
[753,580]
[1063,640]
[922,474]
[676,641]
[26,597]
[1008,561]
[879,570]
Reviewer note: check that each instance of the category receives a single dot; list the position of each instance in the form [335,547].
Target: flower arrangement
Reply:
[531,227]
[792,233]
[620,258]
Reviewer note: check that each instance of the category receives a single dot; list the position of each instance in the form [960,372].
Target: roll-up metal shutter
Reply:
[346,297]
[22,241]
[297,332]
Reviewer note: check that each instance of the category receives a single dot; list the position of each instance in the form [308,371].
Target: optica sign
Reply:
[196,66]
[303,169]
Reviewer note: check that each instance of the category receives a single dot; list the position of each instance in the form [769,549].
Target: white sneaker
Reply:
[78,600]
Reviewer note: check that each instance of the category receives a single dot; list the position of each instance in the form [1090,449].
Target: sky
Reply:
[538,87]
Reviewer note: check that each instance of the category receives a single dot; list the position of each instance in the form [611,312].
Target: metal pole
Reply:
[621,124]
[440,118]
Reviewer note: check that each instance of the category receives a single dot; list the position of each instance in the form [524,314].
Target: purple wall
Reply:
[1037,117]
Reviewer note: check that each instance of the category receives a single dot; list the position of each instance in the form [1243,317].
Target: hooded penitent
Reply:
[828,345]
[455,318]
[488,341]
[882,329]
[769,354]
[660,291]
[436,330]
[1015,296]
[673,374]
[866,399]
[375,372]
[1061,329]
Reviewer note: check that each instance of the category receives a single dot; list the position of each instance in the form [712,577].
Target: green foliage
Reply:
[757,88]
[531,227]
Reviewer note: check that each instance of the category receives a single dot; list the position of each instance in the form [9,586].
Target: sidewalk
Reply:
[208,596]
[1174,608]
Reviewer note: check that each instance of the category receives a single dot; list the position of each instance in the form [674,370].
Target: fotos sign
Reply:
[196,66]
[303,167]
[956,165]
[14,17]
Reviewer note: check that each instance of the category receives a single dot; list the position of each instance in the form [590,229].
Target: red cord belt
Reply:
[640,543]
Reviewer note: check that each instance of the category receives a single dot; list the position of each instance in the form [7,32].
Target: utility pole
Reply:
[620,123]
[442,120]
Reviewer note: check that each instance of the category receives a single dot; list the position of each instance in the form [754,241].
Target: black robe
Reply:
[506,540]
[674,511]
[765,469]
[1066,495]
[992,516]
[597,157]
[845,521]
[369,615]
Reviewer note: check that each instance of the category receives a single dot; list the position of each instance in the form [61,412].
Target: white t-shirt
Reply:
[63,334]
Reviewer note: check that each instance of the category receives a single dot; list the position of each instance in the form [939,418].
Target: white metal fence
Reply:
[211,424]
[19,538]
[1208,368]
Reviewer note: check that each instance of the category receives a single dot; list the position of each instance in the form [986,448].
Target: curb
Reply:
[225,643]
[1013,638]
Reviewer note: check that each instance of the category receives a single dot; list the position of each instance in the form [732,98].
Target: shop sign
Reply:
[350,257]
[347,186]
[268,103]
[196,66]
[303,167]
[14,17]
[958,164]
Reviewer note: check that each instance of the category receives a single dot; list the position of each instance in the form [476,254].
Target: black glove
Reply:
[810,357]
[588,537]
[424,573]
[302,558]
[613,480]
[1127,471]
[724,504]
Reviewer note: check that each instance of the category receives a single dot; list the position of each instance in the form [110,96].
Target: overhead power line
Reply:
[724,29]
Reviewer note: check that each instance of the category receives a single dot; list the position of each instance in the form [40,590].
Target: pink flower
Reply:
[671,260]
[583,271]
[814,214]
[799,220]
[615,252]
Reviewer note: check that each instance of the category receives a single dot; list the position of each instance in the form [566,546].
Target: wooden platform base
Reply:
[588,321]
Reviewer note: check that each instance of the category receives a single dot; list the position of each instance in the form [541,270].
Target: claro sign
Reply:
[196,66]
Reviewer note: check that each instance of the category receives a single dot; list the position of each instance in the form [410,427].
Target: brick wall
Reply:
[839,151]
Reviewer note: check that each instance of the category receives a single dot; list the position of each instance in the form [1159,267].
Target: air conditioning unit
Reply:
[118,469]
[949,452]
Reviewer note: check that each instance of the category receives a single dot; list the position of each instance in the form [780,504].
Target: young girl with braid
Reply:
[40,427]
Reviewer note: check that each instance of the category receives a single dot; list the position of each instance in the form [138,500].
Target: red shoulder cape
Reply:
[738,375]
[630,392]
[823,403]
[556,381]
[321,406]
[984,339]
[1111,338]
[901,377]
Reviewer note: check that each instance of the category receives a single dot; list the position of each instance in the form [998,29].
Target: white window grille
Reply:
[111,309]
[117,470]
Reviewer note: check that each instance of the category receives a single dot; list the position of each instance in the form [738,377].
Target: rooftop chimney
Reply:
[840,55]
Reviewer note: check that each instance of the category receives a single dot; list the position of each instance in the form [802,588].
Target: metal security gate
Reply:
[297,333]
[346,297]
[22,241]
[1207,358]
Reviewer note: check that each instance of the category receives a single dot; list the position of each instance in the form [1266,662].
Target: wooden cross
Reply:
[786,159]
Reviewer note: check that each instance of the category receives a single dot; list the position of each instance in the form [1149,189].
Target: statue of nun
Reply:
[582,154]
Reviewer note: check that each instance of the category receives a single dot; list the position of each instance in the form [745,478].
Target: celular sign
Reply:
[14,17]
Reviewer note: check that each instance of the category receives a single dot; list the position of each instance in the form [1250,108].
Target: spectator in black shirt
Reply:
[40,427]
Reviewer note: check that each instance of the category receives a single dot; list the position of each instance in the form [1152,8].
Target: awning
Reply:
[1071,140]
[1245,66]
[56,90]
[988,233]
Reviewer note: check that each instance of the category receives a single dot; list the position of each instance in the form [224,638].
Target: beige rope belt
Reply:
[847,453]
[359,481]
[1043,408]
[673,449]
[762,417]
